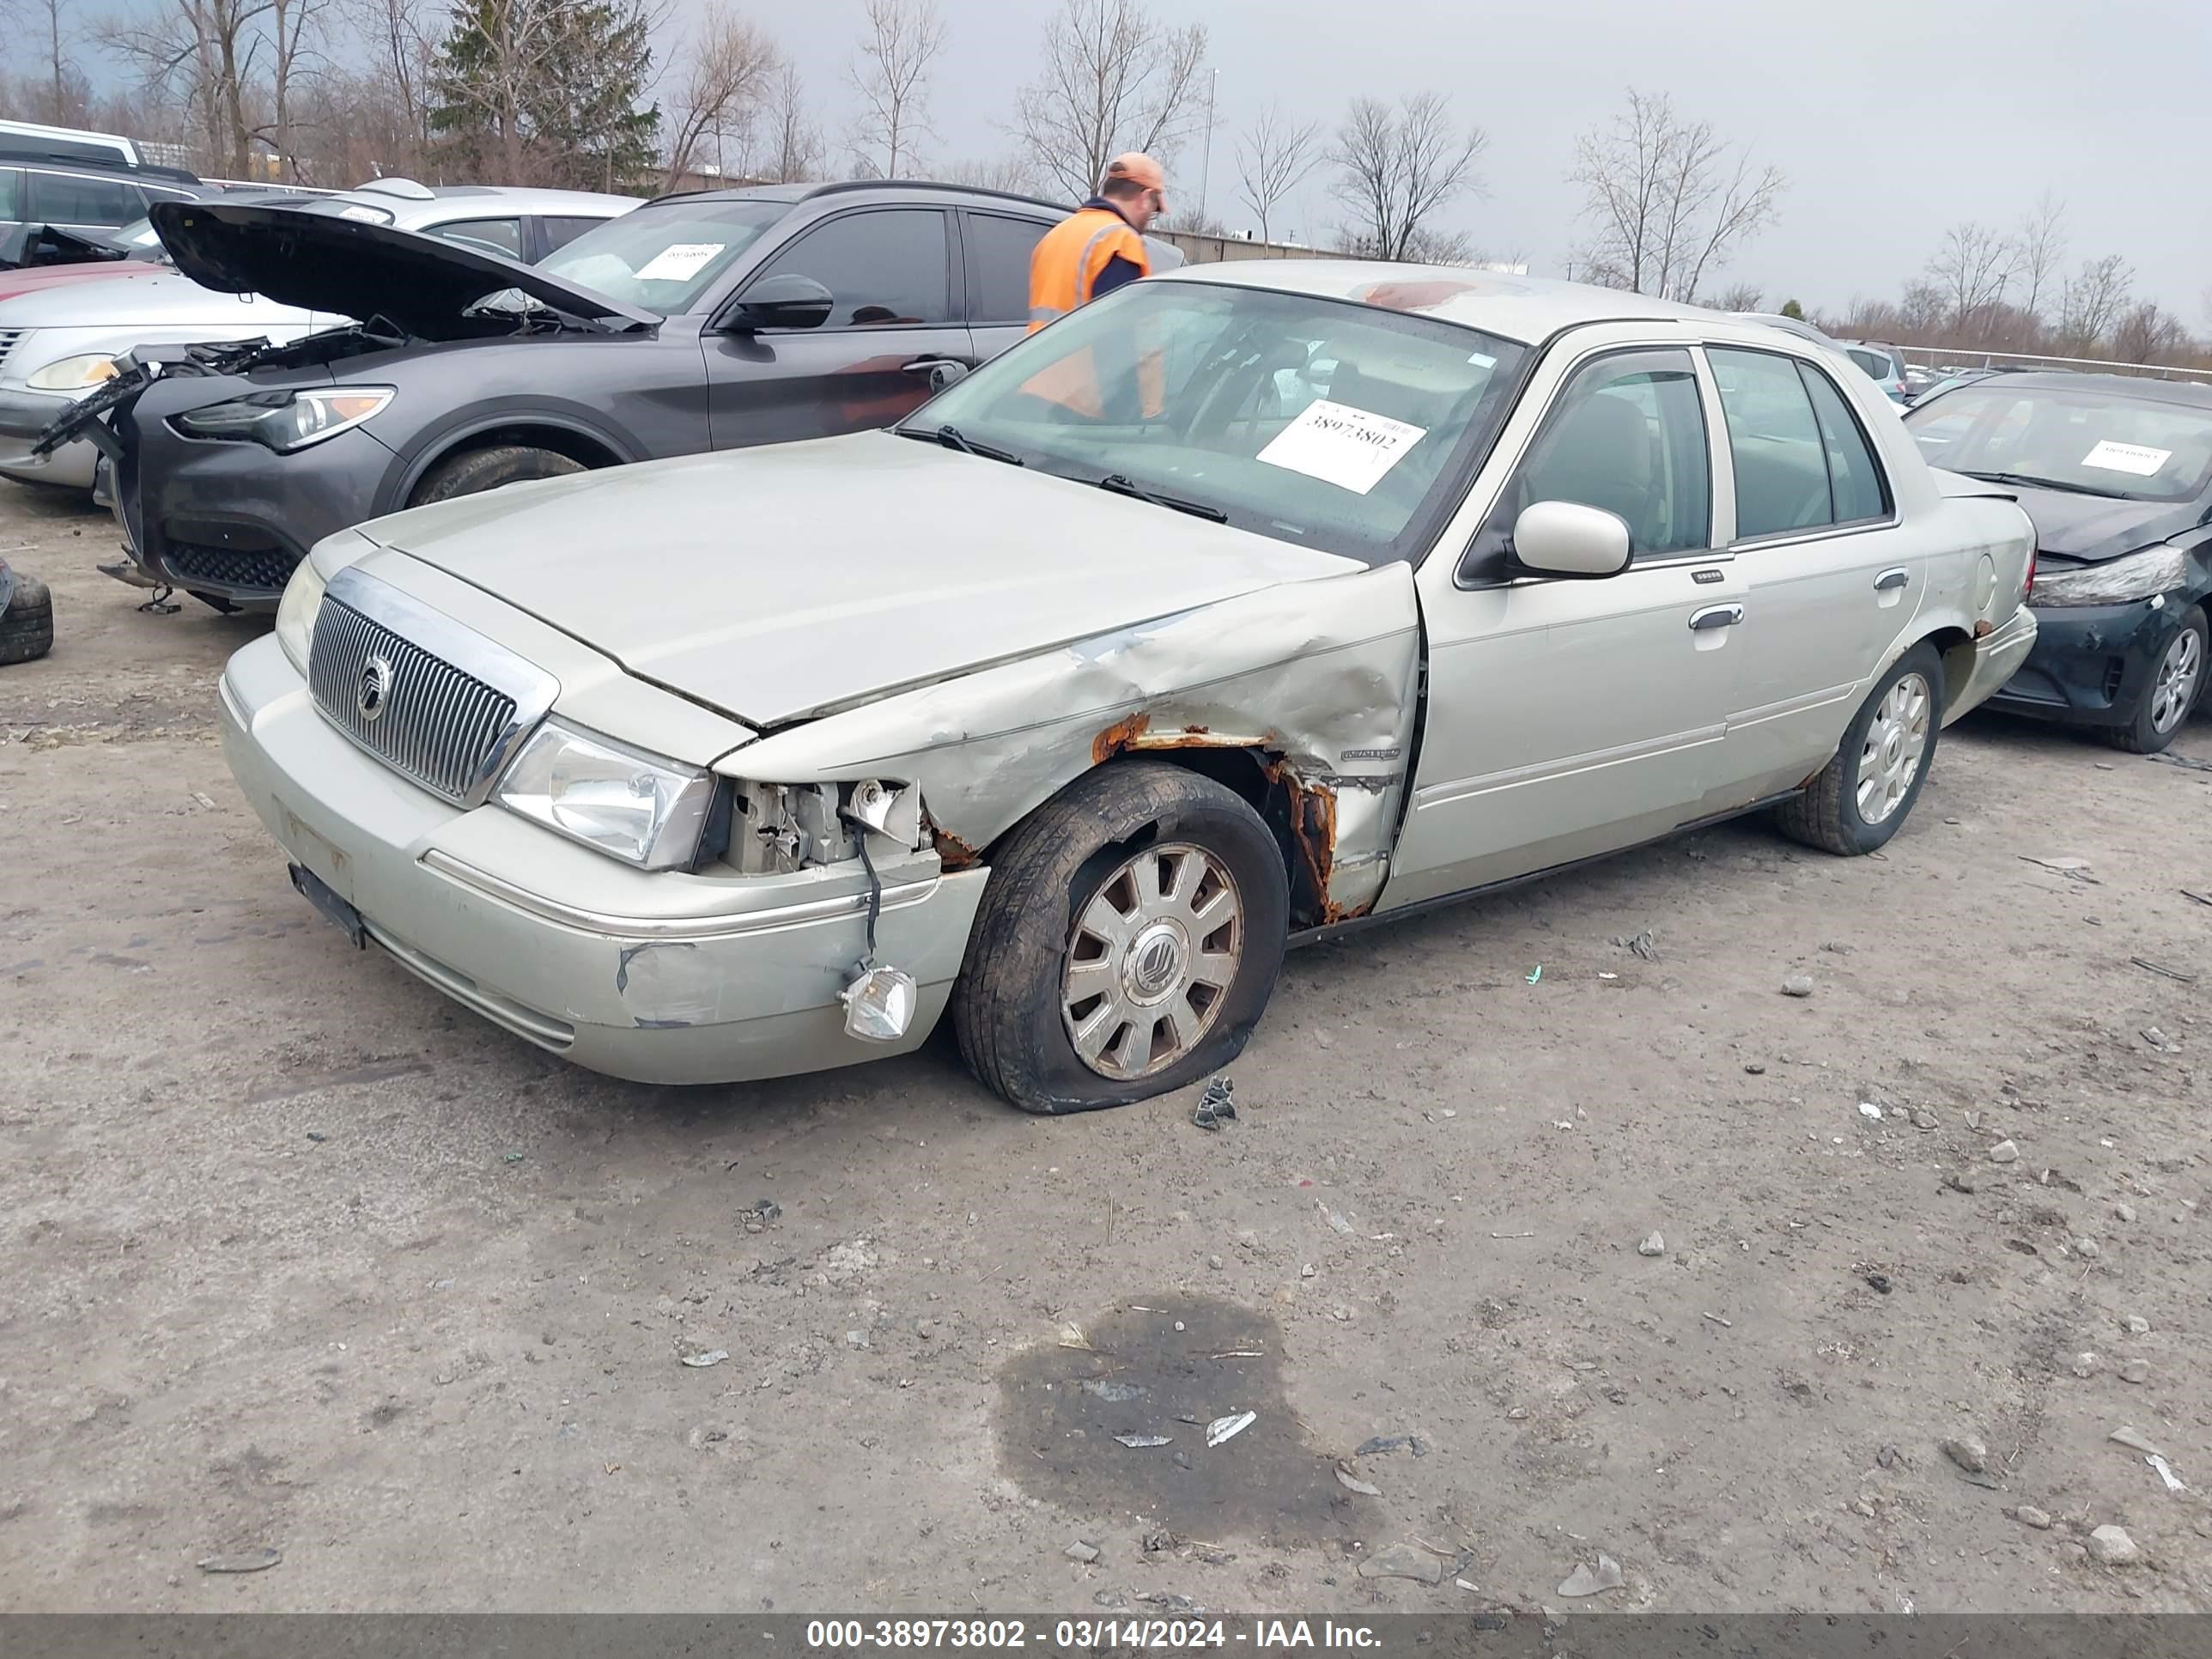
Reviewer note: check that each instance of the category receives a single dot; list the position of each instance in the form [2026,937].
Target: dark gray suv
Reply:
[705,321]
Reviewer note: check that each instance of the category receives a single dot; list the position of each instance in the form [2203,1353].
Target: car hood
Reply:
[422,284]
[163,299]
[36,278]
[785,581]
[2093,528]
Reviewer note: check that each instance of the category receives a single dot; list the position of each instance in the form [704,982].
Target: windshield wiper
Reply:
[2025,482]
[1120,484]
[951,438]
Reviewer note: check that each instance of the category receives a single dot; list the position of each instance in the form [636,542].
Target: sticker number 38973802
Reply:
[2138,459]
[1351,449]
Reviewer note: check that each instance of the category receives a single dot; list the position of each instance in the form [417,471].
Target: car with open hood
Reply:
[1245,605]
[711,320]
[2115,470]
[61,340]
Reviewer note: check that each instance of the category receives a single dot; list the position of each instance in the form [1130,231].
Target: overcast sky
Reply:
[1893,119]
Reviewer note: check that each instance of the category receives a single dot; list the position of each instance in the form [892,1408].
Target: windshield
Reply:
[664,255]
[1333,425]
[139,236]
[2094,442]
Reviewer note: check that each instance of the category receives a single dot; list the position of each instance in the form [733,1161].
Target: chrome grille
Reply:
[433,723]
[8,337]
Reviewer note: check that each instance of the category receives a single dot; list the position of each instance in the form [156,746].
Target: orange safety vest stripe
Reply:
[1072,255]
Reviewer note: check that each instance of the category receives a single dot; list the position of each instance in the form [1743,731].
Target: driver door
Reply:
[890,271]
[1570,717]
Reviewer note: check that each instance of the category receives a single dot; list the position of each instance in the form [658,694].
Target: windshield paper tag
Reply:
[1348,447]
[680,261]
[2138,459]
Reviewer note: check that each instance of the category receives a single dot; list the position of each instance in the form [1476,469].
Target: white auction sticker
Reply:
[1351,449]
[2138,459]
[680,261]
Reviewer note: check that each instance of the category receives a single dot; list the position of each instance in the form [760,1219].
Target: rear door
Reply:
[891,272]
[997,246]
[1568,718]
[1831,579]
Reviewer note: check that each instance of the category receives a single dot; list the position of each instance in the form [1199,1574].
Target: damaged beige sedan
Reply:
[1245,605]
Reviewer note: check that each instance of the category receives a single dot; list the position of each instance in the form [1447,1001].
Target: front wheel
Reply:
[2175,685]
[1128,942]
[1861,797]
[475,471]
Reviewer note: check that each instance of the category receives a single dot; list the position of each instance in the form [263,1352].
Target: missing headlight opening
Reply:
[776,828]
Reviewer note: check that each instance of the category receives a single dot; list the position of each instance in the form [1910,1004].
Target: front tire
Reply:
[2175,685]
[1863,796]
[1128,942]
[475,471]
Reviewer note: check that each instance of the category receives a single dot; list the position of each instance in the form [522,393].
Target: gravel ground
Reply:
[302,1258]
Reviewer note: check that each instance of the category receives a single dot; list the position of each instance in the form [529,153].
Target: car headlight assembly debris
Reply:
[2132,576]
[284,421]
[76,374]
[642,808]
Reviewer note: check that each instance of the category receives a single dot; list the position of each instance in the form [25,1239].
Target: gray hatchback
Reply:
[706,321]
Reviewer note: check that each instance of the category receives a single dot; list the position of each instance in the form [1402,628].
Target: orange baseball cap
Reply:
[1140,169]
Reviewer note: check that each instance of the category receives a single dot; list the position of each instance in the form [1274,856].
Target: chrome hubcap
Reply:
[2174,691]
[1896,743]
[1151,960]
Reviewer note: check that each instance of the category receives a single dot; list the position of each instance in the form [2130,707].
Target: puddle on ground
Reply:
[1144,1377]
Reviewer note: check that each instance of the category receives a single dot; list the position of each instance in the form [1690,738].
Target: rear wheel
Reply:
[1861,797]
[2175,685]
[1128,942]
[26,626]
[476,471]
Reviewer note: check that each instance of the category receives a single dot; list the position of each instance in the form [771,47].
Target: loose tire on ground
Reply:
[476,471]
[2165,706]
[1828,814]
[26,627]
[1011,1009]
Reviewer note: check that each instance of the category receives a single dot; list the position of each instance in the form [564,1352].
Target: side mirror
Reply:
[788,301]
[1565,539]
[942,375]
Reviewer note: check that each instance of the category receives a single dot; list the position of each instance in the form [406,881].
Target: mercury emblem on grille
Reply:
[376,689]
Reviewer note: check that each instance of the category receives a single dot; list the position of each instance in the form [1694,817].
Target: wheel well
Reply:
[1956,648]
[584,451]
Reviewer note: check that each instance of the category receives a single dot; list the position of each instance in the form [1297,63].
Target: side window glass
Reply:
[11,193]
[1627,433]
[65,198]
[560,230]
[500,236]
[883,268]
[1853,476]
[1781,464]
[999,249]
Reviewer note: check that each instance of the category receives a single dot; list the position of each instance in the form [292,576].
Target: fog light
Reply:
[878,1004]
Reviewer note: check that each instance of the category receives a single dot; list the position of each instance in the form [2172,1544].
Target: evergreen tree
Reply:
[547,92]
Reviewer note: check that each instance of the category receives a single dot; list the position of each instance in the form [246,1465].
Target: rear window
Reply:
[70,198]
[999,250]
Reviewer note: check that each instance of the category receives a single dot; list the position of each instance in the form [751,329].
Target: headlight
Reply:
[74,374]
[640,808]
[297,610]
[285,420]
[2135,576]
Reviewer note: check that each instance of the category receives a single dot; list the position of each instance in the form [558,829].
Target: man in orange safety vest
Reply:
[1101,244]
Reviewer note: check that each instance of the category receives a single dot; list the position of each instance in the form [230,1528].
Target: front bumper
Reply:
[23,417]
[233,519]
[2092,662]
[1996,659]
[659,977]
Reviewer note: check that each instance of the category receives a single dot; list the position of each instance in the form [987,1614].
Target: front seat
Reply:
[1600,456]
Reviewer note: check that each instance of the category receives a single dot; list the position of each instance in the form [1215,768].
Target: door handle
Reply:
[1715,615]
[931,365]
[1888,578]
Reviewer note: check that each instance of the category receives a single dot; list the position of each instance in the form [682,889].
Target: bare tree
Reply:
[793,150]
[1666,203]
[200,52]
[1740,296]
[1972,269]
[2147,333]
[49,95]
[1113,79]
[403,43]
[1275,156]
[1007,172]
[2093,300]
[1395,167]
[891,73]
[2041,247]
[724,84]
[291,36]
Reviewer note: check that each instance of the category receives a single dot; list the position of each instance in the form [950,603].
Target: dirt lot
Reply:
[301,1257]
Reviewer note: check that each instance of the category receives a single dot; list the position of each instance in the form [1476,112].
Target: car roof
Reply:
[508,198]
[924,188]
[1523,308]
[2188,394]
